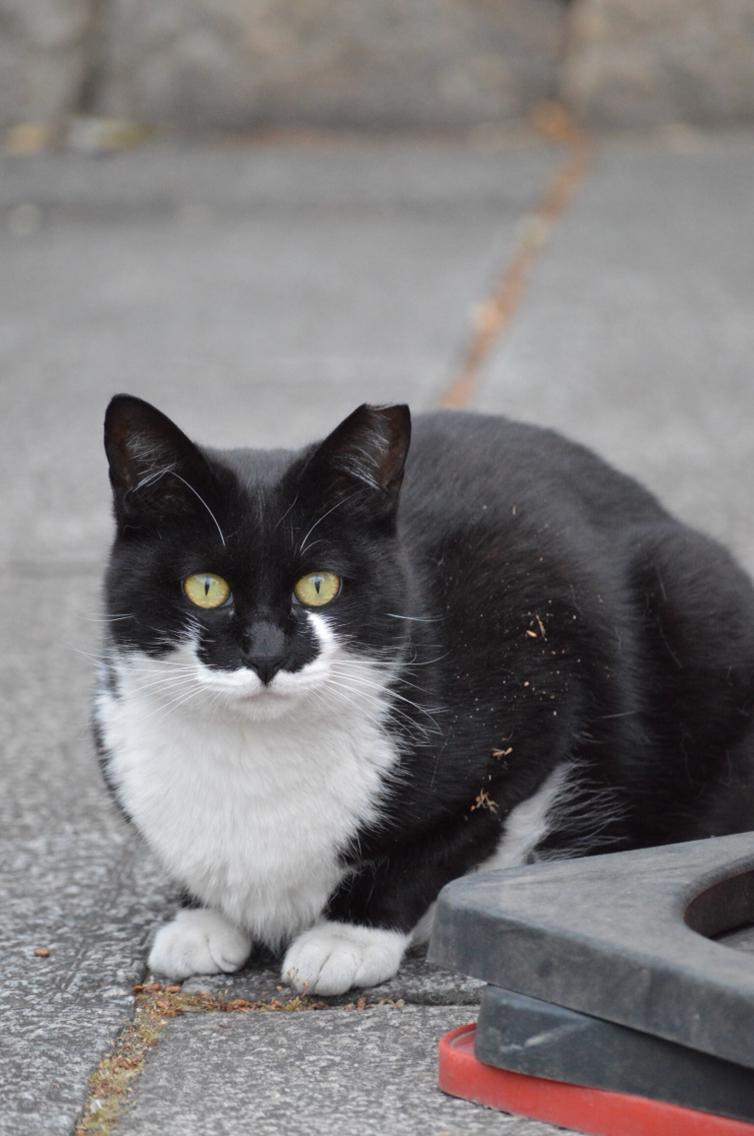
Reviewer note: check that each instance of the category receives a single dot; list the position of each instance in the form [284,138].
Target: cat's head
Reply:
[253,580]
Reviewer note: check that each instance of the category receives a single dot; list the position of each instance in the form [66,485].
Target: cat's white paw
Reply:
[198,941]
[332,957]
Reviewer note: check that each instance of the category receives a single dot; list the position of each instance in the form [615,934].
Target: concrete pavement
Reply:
[257,294]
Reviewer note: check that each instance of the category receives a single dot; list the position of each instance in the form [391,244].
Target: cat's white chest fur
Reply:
[250,816]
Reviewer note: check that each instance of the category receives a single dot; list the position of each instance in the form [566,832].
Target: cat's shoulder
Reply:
[494,440]
[463,456]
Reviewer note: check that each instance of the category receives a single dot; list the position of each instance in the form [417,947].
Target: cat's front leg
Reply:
[198,941]
[331,957]
[381,908]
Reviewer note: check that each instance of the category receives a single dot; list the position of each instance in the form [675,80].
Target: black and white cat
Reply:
[329,688]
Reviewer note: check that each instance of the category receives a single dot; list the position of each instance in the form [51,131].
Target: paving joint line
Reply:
[117,1074]
[494,314]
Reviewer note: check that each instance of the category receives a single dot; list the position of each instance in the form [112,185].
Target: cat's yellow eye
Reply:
[207,590]
[317,589]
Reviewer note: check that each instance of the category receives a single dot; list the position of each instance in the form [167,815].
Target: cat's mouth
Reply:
[267,694]
[284,691]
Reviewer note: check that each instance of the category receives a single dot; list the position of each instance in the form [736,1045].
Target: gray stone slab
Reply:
[401,63]
[89,900]
[258,325]
[330,1072]
[628,937]
[46,1060]
[634,64]
[636,334]
[51,628]
[73,880]
[43,58]
[418,982]
[526,1035]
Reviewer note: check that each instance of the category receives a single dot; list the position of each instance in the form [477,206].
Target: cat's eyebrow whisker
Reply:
[170,471]
[292,505]
[341,501]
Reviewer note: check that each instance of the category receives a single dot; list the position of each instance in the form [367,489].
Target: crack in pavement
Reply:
[116,1075]
[493,314]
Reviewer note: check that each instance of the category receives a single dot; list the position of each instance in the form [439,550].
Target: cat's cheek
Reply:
[332,957]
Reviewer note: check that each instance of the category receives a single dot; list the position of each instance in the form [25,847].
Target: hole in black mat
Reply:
[725,912]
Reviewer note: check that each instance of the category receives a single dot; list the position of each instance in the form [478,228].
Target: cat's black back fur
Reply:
[570,618]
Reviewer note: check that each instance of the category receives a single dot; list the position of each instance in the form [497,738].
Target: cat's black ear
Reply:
[154,468]
[366,452]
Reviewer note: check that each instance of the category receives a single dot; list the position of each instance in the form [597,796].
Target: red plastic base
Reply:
[594,1111]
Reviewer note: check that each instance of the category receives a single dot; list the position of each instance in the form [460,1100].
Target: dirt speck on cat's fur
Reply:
[483,801]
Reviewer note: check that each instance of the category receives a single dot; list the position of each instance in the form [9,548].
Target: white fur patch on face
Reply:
[240,691]
[198,941]
[332,957]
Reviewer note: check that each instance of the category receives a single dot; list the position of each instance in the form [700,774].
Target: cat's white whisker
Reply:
[389,691]
[172,472]
[116,617]
[415,618]
[428,662]
[85,654]
[292,505]
[303,545]
[407,718]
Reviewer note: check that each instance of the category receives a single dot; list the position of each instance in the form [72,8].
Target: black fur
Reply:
[546,609]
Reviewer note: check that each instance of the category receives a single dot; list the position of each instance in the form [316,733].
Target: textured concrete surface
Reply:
[336,1073]
[418,982]
[89,901]
[636,332]
[421,63]
[635,64]
[74,883]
